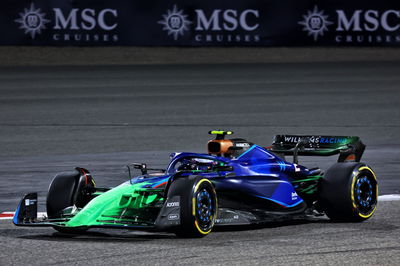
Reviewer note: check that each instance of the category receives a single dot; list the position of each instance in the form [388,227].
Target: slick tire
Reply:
[199,206]
[68,189]
[349,192]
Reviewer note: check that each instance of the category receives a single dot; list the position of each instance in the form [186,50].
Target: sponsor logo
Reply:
[292,139]
[316,140]
[243,145]
[218,25]
[175,22]
[332,140]
[358,26]
[30,202]
[368,20]
[75,25]
[32,21]
[173,204]
[294,196]
[173,217]
[315,23]
[361,26]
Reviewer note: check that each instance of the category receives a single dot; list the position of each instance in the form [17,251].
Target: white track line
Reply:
[9,215]
[393,197]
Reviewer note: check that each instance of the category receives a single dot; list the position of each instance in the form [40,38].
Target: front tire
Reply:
[69,189]
[349,192]
[199,206]
[61,193]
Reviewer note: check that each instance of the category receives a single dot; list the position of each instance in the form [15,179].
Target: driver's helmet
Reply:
[230,148]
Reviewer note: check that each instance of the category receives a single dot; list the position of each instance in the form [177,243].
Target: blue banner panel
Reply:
[200,23]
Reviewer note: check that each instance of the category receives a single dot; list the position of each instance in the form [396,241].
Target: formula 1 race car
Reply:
[236,183]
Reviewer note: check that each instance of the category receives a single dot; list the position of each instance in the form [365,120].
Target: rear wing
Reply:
[349,148]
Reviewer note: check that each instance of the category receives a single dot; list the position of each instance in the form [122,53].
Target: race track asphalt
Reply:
[103,117]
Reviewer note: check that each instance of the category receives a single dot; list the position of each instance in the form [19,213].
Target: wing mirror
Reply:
[141,166]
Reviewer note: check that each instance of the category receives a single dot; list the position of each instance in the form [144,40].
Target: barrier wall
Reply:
[200,23]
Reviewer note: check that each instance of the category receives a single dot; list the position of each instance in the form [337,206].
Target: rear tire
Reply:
[349,192]
[198,203]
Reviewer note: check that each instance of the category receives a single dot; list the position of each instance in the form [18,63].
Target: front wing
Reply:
[167,217]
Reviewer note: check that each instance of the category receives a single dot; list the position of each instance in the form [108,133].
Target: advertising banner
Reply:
[200,23]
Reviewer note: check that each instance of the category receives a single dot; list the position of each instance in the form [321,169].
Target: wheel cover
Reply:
[205,208]
[365,193]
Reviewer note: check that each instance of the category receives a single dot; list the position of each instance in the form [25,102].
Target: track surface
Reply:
[101,118]
[375,242]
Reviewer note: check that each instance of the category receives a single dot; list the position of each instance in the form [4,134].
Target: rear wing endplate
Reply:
[349,148]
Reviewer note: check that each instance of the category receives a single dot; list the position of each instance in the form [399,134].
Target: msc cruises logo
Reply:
[32,20]
[78,25]
[212,26]
[315,23]
[175,22]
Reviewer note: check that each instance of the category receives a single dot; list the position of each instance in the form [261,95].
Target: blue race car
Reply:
[235,183]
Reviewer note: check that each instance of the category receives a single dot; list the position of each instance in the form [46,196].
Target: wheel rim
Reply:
[365,192]
[205,209]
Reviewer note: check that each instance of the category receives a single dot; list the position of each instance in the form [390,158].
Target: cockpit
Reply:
[195,162]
